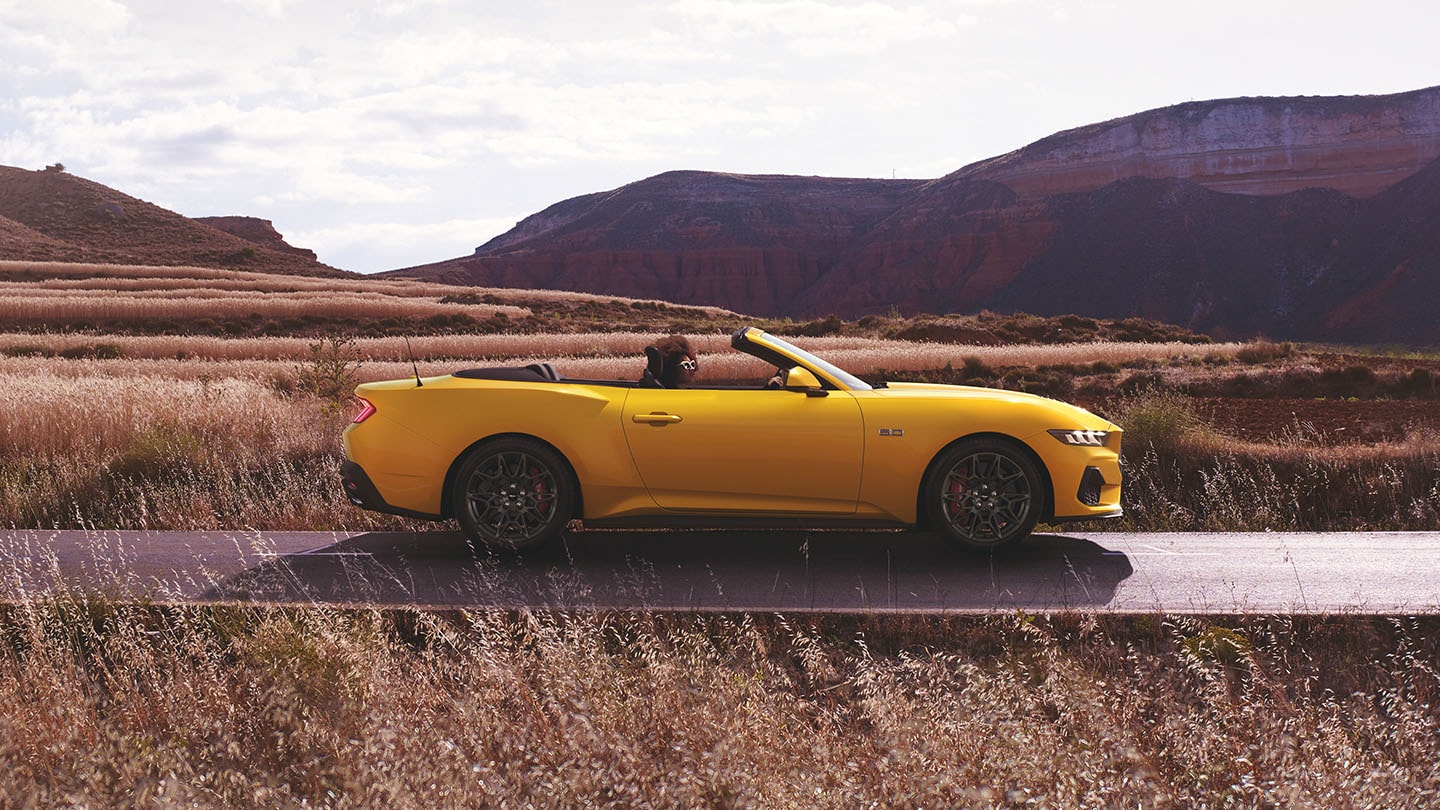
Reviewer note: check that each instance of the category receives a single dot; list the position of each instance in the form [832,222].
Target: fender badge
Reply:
[892,431]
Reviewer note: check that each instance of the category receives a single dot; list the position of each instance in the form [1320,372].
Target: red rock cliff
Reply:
[1357,146]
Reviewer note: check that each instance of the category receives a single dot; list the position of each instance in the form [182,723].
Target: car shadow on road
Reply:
[786,571]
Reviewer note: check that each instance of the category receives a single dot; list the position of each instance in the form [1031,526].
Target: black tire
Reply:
[984,494]
[513,494]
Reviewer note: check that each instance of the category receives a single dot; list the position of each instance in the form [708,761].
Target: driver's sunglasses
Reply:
[690,364]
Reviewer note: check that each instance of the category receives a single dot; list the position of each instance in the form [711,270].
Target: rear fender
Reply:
[447,499]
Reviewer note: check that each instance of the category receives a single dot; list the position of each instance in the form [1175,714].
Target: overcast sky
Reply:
[388,134]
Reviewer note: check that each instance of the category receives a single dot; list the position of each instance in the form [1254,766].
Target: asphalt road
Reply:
[791,572]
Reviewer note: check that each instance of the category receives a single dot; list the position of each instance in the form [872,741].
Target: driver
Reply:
[671,363]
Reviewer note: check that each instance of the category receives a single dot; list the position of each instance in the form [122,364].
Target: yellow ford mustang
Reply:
[515,454]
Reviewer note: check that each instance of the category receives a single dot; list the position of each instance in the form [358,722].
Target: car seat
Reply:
[654,368]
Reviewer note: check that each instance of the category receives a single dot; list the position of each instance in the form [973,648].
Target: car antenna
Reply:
[413,366]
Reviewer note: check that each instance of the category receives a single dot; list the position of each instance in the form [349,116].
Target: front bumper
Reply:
[1087,484]
[1107,515]
[1098,498]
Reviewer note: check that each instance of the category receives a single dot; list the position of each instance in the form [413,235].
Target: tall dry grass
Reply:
[602,355]
[1181,474]
[116,705]
[100,452]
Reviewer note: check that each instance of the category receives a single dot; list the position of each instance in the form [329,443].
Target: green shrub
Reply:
[1350,381]
[27,350]
[1218,645]
[330,373]
[973,368]
[1160,420]
[94,351]
[829,325]
[1420,382]
[158,453]
[1263,351]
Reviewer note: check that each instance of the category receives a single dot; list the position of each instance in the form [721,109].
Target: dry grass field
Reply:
[174,398]
[127,706]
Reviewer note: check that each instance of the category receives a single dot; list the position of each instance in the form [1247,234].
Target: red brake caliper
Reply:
[540,488]
[956,490]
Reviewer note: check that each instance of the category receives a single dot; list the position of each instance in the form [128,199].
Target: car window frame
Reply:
[784,354]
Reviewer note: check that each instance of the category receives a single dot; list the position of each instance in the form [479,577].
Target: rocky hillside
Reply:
[1292,217]
[687,236]
[258,231]
[52,215]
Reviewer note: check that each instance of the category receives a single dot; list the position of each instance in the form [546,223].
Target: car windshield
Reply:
[842,376]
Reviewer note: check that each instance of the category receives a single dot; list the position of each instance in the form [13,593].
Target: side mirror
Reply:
[800,378]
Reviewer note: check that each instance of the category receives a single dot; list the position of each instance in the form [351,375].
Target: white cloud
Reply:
[397,8]
[55,18]
[351,188]
[374,246]
[270,8]
[815,28]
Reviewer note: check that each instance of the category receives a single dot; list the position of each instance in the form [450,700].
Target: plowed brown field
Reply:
[1336,421]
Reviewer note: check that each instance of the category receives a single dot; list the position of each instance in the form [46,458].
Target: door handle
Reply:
[656,418]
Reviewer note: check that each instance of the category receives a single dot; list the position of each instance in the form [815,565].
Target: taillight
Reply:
[366,409]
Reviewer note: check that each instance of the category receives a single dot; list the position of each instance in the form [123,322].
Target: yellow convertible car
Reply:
[516,454]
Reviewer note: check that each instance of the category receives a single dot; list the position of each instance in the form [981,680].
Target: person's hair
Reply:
[673,349]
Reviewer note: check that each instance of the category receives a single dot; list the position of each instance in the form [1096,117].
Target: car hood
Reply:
[969,393]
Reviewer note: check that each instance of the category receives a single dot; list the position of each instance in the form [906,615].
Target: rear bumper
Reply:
[361,491]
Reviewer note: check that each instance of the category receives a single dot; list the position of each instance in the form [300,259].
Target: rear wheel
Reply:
[513,494]
[984,494]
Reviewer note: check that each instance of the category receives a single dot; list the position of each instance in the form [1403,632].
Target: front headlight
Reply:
[1081,438]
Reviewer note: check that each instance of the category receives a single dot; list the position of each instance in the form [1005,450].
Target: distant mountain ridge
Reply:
[1307,218]
[52,215]
[1311,217]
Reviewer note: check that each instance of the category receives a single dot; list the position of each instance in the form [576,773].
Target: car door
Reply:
[745,451]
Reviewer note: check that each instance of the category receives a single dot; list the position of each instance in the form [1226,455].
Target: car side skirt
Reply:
[723,522]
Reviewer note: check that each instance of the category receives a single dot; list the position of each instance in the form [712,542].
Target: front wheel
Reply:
[984,494]
[513,494]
